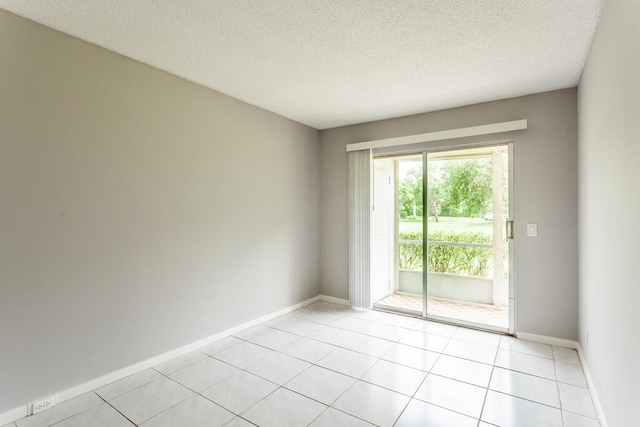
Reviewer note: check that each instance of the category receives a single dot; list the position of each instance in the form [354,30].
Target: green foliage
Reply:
[456,187]
[463,260]
[410,193]
[467,186]
[411,253]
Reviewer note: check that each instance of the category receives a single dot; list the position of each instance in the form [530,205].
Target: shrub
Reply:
[463,260]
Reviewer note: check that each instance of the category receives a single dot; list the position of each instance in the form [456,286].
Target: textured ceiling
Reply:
[337,62]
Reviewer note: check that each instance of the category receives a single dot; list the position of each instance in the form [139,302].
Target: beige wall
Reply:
[546,194]
[140,212]
[609,159]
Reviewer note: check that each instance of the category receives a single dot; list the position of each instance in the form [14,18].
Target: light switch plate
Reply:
[532,230]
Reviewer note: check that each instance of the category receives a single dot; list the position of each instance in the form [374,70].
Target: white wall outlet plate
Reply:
[532,230]
[43,404]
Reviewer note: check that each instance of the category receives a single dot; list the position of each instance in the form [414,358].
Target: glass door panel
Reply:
[467,199]
[404,204]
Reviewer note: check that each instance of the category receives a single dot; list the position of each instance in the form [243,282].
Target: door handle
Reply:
[509,229]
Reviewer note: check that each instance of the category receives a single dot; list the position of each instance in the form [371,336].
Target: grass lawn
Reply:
[453,224]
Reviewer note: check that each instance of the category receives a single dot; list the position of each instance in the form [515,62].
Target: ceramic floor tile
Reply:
[98,416]
[570,374]
[223,344]
[297,313]
[527,347]
[384,331]
[350,324]
[317,316]
[320,384]
[533,365]
[334,418]
[425,341]
[278,368]
[336,308]
[372,346]
[472,351]
[566,355]
[239,422]
[243,355]
[412,356]
[9,425]
[347,362]
[245,334]
[454,395]
[407,322]
[368,366]
[203,374]
[478,337]
[317,304]
[420,414]
[144,402]
[371,403]
[331,335]
[308,350]
[463,370]
[370,315]
[179,362]
[120,387]
[577,400]
[575,420]
[240,391]
[508,411]
[193,412]
[525,386]
[399,378]
[435,328]
[284,408]
[294,325]
[62,411]
[274,339]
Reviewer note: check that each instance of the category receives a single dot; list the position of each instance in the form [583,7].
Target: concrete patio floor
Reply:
[492,315]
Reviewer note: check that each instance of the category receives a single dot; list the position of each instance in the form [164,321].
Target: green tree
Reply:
[466,186]
[410,192]
[435,196]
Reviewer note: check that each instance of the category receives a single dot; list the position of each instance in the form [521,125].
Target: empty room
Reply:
[319,213]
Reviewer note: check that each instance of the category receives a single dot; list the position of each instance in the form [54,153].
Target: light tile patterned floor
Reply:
[478,313]
[330,365]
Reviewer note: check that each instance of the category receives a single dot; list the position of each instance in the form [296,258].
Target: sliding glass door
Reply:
[440,226]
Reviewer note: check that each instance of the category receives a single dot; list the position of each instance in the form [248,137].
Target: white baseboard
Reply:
[592,388]
[544,339]
[13,415]
[334,300]
[24,410]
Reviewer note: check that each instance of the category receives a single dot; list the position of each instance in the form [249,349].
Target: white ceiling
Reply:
[338,62]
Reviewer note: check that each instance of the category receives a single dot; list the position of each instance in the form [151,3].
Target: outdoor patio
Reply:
[487,314]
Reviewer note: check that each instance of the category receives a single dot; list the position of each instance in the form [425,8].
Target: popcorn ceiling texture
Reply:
[337,62]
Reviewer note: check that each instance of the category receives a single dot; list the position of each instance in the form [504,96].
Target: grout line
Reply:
[115,409]
[372,319]
[486,394]
[555,373]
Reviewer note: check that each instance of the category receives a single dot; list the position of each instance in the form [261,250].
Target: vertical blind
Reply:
[360,191]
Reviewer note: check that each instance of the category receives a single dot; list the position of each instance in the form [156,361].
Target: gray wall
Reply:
[140,212]
[546,194]
[609,175]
